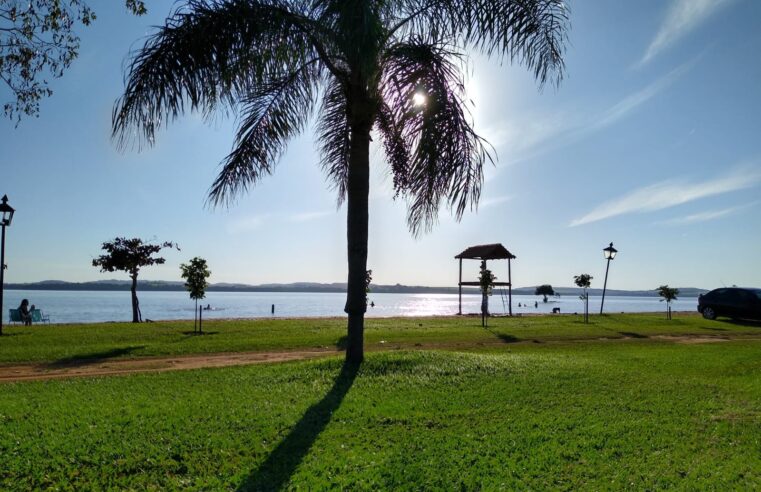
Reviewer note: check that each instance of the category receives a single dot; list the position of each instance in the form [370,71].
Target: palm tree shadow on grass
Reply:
[93,357]
[190,334]
[631,334]
[504,337]
[342,342]
[279,466]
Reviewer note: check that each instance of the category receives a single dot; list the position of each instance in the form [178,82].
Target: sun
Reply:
[418,99]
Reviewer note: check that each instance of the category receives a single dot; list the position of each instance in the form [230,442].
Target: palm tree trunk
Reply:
[135,315]
[357,195]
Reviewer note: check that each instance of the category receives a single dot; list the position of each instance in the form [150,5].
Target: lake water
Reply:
[97,306]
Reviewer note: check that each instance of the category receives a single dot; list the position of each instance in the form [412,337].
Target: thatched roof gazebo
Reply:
[485,252]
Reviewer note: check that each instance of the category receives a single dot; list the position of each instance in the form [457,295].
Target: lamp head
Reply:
[6,212]
[610,252]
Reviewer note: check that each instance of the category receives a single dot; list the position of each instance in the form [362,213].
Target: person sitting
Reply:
[25,313]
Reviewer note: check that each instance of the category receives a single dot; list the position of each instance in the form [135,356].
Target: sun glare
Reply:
[418,99]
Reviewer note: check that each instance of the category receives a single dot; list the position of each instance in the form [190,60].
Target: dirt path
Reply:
[84,367]
[112,367]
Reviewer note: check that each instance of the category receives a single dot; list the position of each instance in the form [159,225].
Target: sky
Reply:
[652,141]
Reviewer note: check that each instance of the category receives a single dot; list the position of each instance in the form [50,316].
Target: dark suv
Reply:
[734,302]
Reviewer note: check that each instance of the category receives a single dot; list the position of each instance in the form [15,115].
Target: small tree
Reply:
[195,274]
[584,281]
[668,294]
[486,281]
[544,290]
[130,255]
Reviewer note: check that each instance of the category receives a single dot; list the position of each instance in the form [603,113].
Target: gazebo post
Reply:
[484,299]
[509,288]
[459,284]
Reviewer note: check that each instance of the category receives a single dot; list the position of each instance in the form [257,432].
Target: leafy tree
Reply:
[544,290]
[486,282]
[393,66]
[37,37]
[584,281]
[668,294]
[196,272]
[130,255]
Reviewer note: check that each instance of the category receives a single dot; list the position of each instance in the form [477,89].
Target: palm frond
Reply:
[530,32]
[447,156]
[273,113]
[395,146]
[209,53]
[333,137]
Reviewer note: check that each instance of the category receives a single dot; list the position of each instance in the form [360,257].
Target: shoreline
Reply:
[149,321]
[97,307]
[298,288]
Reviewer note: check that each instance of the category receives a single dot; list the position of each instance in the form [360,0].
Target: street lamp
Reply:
[610,253]
[5,220]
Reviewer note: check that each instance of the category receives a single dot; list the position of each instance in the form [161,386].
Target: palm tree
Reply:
[356,64]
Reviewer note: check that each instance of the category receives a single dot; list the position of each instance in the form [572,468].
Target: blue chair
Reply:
[38,317]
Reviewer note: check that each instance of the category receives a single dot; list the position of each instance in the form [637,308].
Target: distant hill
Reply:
[163,285]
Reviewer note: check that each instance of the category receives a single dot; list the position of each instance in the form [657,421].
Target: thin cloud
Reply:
[490,202]
[708,215]
[529,134]
[633,101]
[307,216]
[246,224]
[669,194]
[682,17]
[536,135]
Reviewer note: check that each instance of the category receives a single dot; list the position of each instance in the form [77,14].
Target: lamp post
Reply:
[610,253]
[6,215]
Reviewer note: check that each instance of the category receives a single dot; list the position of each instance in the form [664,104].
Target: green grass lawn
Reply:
[63,343]
[638,414]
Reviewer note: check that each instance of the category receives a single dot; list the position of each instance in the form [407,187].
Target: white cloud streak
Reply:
[630,103]
[307,216]
[531,135]
[708,215]
[682,17]
[490,202]
[669,194]
[246,224]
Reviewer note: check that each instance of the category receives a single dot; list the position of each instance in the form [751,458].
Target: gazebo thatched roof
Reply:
[486,252]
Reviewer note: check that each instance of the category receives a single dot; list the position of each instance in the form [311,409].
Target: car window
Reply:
[757,292]
[720,294]
[743,296]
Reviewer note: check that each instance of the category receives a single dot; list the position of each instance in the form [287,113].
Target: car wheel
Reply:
[709,313]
